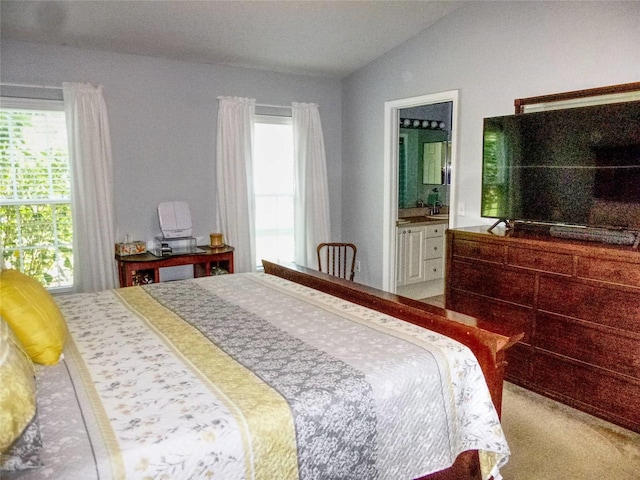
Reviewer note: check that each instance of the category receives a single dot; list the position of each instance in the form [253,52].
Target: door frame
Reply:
[391,138]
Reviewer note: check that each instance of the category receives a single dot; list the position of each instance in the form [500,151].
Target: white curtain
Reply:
[234,179]
[92,197]
[312,225]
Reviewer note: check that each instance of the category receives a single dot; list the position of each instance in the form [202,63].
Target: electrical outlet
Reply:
[357,265]
[461,210]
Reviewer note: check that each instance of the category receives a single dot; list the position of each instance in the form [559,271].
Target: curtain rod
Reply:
[23,85]
[272,106]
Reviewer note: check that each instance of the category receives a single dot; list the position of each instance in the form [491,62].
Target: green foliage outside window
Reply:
[36,230]
[493,194]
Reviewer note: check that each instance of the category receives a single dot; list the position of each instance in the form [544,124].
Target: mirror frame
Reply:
[625,92]
[391,142]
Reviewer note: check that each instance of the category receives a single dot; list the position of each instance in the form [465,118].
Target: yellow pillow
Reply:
[18,392]
[33,316]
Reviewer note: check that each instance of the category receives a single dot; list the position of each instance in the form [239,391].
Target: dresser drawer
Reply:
[561,263]
[505,318]
[609,271]
[607,349]
[435,230]
[433,248]
[613,396]
[493,281]
[605,306]
[478,250]
[433,269]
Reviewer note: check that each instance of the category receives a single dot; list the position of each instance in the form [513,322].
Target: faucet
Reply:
[435,209]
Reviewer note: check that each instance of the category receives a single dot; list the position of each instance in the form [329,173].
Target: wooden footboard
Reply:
[489,347]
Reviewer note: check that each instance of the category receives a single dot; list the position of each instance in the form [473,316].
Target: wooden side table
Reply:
[145,267]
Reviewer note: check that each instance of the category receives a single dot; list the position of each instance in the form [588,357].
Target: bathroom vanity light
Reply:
[422,124]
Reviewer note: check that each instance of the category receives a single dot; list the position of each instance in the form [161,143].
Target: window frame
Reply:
[21,103]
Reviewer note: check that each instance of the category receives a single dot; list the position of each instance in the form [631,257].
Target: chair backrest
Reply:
[337,259]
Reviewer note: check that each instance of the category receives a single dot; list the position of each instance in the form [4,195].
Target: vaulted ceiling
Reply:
[324,38]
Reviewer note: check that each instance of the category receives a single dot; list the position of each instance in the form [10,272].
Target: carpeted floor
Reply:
[551,441]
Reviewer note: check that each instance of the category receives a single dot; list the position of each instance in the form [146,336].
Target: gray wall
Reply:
[163,113]
[163,116]
[493,52]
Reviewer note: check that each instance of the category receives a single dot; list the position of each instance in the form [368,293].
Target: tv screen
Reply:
[576,166]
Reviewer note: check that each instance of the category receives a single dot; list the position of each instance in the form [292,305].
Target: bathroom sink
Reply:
[422,219]
[416,219]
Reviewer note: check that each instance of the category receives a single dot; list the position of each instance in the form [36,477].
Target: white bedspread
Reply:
[250,376]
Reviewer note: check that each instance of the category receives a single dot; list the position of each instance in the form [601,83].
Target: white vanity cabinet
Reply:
[420,259]
[410,255]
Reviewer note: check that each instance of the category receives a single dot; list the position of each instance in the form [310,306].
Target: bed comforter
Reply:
[250,376]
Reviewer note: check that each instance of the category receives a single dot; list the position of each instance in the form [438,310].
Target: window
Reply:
[36,230]
[273,174]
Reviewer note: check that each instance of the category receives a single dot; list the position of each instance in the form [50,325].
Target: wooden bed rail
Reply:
[488,346]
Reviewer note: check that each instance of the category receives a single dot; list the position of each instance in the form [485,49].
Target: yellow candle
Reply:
[217,240]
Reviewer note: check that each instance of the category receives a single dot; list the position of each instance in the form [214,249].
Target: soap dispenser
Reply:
[433,198]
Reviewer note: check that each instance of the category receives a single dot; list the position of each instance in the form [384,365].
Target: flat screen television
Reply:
[576,166]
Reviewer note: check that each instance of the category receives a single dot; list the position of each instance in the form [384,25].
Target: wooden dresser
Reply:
[577,302]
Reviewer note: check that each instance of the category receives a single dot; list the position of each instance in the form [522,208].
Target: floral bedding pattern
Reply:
[250,376]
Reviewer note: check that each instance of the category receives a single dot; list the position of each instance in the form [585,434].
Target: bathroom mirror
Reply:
[424,153]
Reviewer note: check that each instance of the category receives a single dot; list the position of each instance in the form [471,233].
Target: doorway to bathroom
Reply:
[393,111]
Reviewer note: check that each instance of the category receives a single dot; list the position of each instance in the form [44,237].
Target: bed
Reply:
[285,374]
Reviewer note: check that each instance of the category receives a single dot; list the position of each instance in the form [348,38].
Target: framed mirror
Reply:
[626,92]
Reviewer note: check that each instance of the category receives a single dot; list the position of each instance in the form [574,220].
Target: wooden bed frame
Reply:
[488,346]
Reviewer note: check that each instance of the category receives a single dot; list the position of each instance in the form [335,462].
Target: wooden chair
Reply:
[337,257]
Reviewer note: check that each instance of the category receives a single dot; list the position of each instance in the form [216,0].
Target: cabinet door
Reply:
[400,257]
[414,256]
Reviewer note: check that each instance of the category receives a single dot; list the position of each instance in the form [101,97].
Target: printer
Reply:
[175,219]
